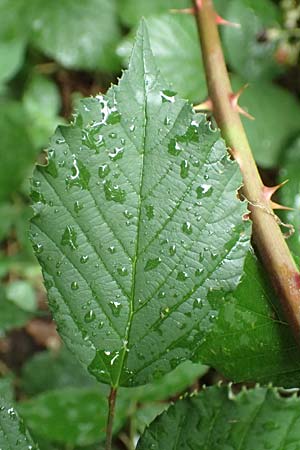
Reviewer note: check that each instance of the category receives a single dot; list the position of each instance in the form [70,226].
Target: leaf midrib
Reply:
[137,244]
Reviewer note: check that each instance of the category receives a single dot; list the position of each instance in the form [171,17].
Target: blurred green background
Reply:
[52,53]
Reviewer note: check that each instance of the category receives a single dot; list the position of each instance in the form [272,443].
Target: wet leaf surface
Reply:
[137,227]
[217,419]
[13,433]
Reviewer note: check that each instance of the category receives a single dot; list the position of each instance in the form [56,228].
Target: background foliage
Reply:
[51,56]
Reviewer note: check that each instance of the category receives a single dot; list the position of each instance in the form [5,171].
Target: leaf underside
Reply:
[137,227]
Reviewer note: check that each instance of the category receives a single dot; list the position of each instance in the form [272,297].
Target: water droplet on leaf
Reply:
[103,171]
[152,264]
[184,168]
[187,228]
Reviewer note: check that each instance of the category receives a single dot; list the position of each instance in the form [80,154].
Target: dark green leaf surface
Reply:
[290,193]
[16,150]
[11,315]
[80,35]
[74,416]
[175,45]
[13,433]
[11,57]
[12,37]
[146,414]
[137,227]
[248,51]
[250,341]
[7,388]
[217,419]
[50,370]
[276,122]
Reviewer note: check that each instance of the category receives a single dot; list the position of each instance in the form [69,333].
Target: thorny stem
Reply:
[110,419]
[267,234]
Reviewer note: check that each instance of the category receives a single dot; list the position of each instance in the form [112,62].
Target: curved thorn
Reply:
[269,191]
[183,11]
[221,21]
[244,113]
[234,98]
[278,206]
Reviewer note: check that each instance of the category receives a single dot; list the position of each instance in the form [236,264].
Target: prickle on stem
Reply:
[234,99]
[269,191]
[193,11]
[183,11]
[207,105]
[221,21]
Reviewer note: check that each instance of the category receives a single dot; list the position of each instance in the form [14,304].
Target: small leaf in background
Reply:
[217,419]
[74,416]
[12,19]
[17,152]
[22,294]
[132,11]
[41,101]
[13,433]
[171,384]
[78,35]
[12,38]
[276,123]
[11,57]
[249,340]
[137,227]
[11,315]
[248,50]
[289,195]
[174,43]
[8,214]
[50,370]
[7,388]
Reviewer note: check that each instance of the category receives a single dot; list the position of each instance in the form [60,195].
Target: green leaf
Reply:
[49,370]
[13,433]
[250,341]
[79,35]
[12,20]
[146,414]
[137,227]
[12,37]
[248,50]
[276,122]
[175,45]
[171,384]
[22,294]
[132,11]
[16,150]
[11,315]
[7,388]
[289,195]
[8,214]
[11,57]
[217,419]
[42,103]
[74,416]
